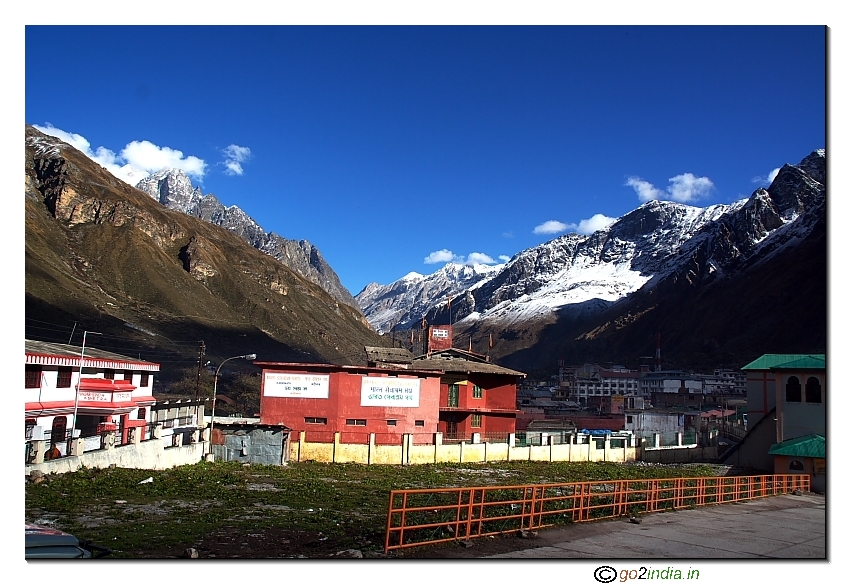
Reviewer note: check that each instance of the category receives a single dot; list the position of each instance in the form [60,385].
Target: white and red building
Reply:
[115,392]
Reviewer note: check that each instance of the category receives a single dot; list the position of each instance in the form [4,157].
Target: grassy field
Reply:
[225,509]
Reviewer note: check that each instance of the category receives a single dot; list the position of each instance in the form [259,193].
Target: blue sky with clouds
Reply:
[396,149]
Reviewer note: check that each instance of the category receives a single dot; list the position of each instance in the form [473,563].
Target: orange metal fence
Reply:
[428,516]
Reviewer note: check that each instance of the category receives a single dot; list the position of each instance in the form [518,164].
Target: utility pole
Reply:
[198,384]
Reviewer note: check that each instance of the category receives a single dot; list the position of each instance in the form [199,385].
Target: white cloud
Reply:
[153,158]
[644,189]
[137,160]
[550,228]
[687,187]
[479,258]
[593,224]
[233,157]
[504,258]
[441,256]
[683,188]
[768,180]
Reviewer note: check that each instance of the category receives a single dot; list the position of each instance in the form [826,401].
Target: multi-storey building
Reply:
[591,385]
[68,390]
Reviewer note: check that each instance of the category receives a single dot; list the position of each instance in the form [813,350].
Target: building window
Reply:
[63,379]
[419,423]
[475,420]
[33,380]
[108,373]
[144,379]
[477,392]
[316,420]
[813,390]
[796,466]
[629,419]
[355,422]
[392,422]
[793,390]
[142,414]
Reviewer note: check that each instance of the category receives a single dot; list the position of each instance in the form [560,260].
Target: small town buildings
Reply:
[355,401]
[590,385]
[672,388]
[106,391]
[645,423]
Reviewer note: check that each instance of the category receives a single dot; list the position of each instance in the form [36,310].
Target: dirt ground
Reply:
[277,543]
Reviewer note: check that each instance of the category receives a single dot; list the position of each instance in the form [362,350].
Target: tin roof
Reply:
[768,361]
[391,355]
[462,361]
[38,352]
[807,446]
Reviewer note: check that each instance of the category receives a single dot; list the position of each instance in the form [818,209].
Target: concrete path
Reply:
[777,527]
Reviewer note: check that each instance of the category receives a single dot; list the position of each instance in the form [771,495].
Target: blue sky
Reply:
[394,149]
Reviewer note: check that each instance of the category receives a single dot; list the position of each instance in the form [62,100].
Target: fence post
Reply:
[39,449]
[75,447]
[606,452]
[476,438]
[657,439]
[336,446]
[438,438]
[302,438]
[371,450]
[679,438]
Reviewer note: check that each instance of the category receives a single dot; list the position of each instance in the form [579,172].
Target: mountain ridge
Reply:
[104,256]
[576,283]
[173,189]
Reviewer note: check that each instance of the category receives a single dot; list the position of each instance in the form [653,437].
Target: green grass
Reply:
[345,502]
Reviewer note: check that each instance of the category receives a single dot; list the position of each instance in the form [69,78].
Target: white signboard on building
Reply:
[389,392]
[305,386]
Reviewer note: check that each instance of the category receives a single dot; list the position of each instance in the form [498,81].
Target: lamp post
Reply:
[79,380]
[215,389]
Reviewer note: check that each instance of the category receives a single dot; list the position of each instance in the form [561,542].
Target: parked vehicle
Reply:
[44,542]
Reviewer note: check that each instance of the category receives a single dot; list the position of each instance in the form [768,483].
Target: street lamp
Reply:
[79,380]
[215,389]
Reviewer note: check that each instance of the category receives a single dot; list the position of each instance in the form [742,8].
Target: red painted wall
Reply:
[497,405]
[343,402]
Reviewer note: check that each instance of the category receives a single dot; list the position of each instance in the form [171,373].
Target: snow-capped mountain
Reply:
[173,188]
[403,304]
[576,276]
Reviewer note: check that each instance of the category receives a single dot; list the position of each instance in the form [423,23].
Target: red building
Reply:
[476,396]
[322,399]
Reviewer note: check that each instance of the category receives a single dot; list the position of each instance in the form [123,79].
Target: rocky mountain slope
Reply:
[103,256]
[173,189]
[593,287]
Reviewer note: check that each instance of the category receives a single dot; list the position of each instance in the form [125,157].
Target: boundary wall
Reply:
[580,448]
[158,453]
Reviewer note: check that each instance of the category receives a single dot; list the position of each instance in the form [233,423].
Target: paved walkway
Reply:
[787,527]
